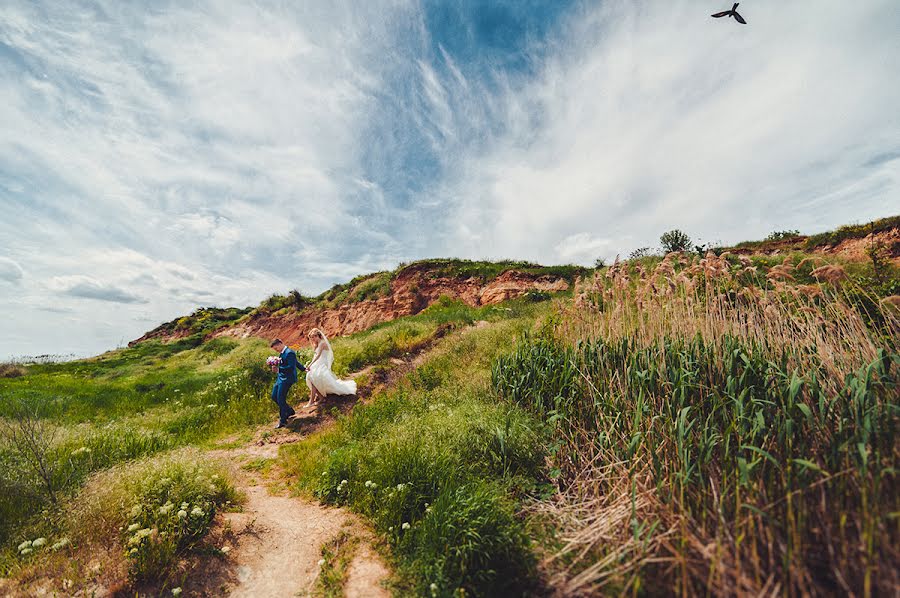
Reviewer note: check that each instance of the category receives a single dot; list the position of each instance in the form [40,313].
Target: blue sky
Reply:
[157,157]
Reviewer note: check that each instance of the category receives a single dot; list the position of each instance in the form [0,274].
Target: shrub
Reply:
[12,370]
[157,508]
[640,252]
[782,235]
[674,240]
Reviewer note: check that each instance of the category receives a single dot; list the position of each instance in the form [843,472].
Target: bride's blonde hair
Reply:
[315,332]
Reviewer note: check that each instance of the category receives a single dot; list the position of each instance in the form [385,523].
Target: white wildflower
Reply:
[321,562]
[39,542]
[182,514]
[166,508]
[226,549]
[25,551]
[135,510]
[434,589]
[176,591]
[24,545]
[62,543]
[134,527]
[197,512]
[405,525]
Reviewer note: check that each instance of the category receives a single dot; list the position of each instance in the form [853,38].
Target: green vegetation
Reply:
[201,322]
[743,429]
[783,235]
[90,415]
[792,240]
[689,424]
[161,506]
[438,465]
[675,240]
[336,556]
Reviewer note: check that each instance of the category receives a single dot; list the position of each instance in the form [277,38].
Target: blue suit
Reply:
[287,376]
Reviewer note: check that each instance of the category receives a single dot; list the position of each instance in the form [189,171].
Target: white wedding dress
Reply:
[321,376]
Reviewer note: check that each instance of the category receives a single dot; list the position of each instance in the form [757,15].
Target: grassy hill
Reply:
[719,423]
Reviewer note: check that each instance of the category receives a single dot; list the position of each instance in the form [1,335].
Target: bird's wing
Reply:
[719,15]
[739,19]
[734,8]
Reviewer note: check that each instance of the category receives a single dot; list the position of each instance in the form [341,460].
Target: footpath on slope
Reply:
[275,543]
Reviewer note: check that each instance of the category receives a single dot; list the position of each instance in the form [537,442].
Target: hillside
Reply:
[716,423]
[374,298]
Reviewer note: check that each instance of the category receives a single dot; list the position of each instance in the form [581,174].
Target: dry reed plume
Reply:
[720,431]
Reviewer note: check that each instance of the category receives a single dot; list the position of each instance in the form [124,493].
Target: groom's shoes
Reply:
[280,425]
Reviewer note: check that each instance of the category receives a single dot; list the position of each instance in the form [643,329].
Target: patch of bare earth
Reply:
[274,544]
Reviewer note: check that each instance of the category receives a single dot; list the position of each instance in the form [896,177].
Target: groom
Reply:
[287,376]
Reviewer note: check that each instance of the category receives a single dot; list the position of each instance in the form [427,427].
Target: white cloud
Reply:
[10,271]
[582,247]
[212,153]
[89,288]
[650,116]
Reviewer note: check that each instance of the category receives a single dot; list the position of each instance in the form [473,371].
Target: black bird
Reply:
[731,13]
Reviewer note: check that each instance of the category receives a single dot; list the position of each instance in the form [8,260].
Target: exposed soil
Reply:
[274,544]
[411,291]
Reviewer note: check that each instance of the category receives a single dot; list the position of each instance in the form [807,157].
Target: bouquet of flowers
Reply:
[273,362]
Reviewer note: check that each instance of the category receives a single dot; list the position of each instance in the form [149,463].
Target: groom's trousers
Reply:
[279,395]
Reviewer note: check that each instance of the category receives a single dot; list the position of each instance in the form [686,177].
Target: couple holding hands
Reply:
[319,377]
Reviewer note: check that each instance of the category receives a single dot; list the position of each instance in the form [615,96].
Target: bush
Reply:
[157,508]
[674,240]
[12,370]
[640,252]
[782,235]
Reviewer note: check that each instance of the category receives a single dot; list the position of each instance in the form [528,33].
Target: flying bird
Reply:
[731,13]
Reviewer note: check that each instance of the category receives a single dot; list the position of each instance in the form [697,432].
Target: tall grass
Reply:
[718,431]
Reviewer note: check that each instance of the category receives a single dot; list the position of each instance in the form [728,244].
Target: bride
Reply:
[319,377]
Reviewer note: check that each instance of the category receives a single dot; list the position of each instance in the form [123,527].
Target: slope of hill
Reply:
[718,424]
[375,298]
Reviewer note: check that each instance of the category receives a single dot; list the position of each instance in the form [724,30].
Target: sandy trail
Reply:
[278,539]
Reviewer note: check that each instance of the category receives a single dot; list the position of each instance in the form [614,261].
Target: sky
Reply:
[156,157]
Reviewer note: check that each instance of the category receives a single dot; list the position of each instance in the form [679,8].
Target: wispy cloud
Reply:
[88,288]
[211,153]
[10,271]
[648,116]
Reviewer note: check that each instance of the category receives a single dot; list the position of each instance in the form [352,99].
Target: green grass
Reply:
[135,519]
[156,396]
[438,466]
[337,555]
[793,241]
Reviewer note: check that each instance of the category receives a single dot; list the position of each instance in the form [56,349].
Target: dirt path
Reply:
[275,543]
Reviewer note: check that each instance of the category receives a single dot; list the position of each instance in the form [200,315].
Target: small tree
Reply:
[675,240]
[599,263]
[880,255]
[33,440]
[297,299]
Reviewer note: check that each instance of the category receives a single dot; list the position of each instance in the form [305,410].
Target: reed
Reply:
[720,430]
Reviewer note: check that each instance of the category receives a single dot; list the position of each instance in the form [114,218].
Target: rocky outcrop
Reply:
[412,290]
